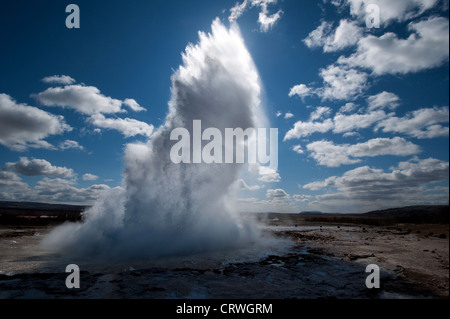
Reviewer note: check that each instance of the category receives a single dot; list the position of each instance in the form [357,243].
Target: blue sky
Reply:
[362,112]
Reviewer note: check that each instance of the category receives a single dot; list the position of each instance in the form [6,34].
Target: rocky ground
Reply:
[417,254]
[319,262]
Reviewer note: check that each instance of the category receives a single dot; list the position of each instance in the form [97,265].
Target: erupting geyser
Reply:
[166,208]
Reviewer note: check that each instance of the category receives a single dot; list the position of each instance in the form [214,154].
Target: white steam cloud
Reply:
[165,208]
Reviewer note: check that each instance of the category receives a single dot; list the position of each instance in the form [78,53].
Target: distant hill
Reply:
[438,214]
[29,213]
[409,211]
[310,213]
[415,214]
[38,206]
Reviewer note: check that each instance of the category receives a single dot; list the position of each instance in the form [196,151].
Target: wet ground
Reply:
[316,262]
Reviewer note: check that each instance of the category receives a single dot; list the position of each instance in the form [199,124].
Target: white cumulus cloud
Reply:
[427,47]
[12,187]
[348,108]
[89,177]
[288,115]
[301,90]
[65,191]
[277,194]
[265,19]
[243,185]
[37,167]
[398,10]
[345,35]
[298,149]
[320,112]
[349,122]
[302,129]
[132,104]
[383,100]
[423,123]
[342,83]
[128,127]
[372,184]
[23,126]
[59,79]
[69,144]
[341,123]
[83,99]
[328,154]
